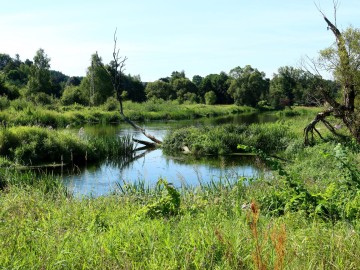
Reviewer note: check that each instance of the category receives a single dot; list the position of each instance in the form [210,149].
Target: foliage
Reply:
[210,98]
[219,84]
[338,200]
[214,231]
[248,86]
[39,79]
[111,104]
[218,140]
[4,103]
[74,94]
[183,87]
[292,86]
[134,88]
[96,87]
[166,206]
[34,145]
[159,90]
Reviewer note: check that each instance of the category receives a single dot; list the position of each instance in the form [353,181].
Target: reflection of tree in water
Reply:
[124,162]
[214,161]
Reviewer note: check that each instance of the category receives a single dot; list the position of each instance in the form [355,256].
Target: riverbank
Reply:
[26,113]
[305,215]
[208,227]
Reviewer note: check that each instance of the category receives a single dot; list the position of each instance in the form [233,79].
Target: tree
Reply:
[134,88]
[210,98]
[248,86]
[219,84]
[73,94]
[39,79]
[5,60]
[343,59]
[177,75]
[159,90]
[183,87]
[115,73]
[96,85]
[197,79]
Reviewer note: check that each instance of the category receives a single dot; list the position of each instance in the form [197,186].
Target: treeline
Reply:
[35,81]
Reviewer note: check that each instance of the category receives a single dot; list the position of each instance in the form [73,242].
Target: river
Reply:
[104,178]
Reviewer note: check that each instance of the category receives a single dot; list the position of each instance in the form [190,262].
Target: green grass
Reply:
[211,231]
[303,215]
[22,112]
[224,139]
[35,145]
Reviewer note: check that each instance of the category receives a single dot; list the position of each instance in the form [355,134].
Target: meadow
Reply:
[303,214]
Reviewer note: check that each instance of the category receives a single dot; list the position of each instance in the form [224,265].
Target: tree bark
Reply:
[346,111]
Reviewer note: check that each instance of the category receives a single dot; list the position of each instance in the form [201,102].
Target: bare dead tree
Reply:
[345,110]
[115,74]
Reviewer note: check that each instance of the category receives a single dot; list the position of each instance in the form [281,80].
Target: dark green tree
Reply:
[5,60]
[177,75]
[135,89]
[74,94]
[248,86]
[210,98]
[160,90]
[183,87]
[219,84]
[197,79]
[96,85]
[39,79]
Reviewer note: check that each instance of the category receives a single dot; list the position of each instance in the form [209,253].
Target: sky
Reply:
[161,36]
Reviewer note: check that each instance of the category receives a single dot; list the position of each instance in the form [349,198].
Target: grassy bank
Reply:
[303,215]
[26,113]
[205,228]
[35,146]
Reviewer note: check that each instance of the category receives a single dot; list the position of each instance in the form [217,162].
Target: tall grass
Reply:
[23,112]
[211,230]
[224,139]
[35,145]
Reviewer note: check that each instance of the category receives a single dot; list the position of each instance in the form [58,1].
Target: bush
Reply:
[4,103]
[210,98]
[72,95]
[218,140]
[111,104]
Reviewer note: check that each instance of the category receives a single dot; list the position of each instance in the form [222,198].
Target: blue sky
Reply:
[159,37]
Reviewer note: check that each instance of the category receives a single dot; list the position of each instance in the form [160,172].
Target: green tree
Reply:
[210,98]
[134,88]
[177,75]
[5,60]
[197,79]
[248,85]
[96,85]
[74,94]
[39,79]
[159,89]
[182,87]
[219,84]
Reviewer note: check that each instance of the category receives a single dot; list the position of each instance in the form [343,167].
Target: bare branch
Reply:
[115,73]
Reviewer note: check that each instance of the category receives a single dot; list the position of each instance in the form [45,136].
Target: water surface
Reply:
[103,178]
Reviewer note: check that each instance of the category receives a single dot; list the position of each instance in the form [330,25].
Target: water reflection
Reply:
[150,167]
[101,179]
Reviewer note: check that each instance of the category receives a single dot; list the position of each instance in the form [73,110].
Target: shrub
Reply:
[210,98]
[4,103]
[72,95]
[111,104]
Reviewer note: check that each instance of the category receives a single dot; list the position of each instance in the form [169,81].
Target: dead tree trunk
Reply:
[345,111]
[115,73]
